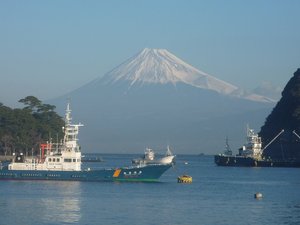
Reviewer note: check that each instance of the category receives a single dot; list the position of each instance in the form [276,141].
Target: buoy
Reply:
[258,195]
[185,179]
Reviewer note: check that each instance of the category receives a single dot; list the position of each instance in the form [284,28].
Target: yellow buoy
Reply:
[185,179]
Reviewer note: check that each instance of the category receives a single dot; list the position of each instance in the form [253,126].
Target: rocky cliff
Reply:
[285,115]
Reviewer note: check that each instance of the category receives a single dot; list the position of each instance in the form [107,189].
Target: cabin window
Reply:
[53,159]
[49,159]
[67,160]
[58,160]
[74,160]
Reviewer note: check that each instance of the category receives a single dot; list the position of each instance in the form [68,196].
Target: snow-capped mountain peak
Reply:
[161,67]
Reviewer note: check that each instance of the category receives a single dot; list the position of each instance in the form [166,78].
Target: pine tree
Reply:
[23,130]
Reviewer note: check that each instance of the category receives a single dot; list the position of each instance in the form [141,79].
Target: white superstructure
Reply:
[63,156]
[253,146]
[149,158]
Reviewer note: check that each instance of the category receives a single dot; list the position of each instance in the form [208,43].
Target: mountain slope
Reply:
[269,90]
[158,66]
[154,99]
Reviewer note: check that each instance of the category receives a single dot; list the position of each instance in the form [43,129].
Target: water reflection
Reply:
[43,202]
[216,196]
[65,206]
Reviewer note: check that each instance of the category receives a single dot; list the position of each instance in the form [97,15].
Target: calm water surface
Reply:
[218,195]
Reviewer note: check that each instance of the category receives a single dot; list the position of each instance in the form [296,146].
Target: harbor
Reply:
[214,191]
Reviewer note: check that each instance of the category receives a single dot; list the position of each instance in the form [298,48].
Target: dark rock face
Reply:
[285,115]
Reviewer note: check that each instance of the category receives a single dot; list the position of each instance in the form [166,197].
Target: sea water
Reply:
[218,195]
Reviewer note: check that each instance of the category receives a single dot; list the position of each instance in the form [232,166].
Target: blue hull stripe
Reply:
[147,173]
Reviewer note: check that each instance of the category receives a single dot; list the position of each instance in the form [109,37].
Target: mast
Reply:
[68,117]
[168,153]
[228,150]
[71,132]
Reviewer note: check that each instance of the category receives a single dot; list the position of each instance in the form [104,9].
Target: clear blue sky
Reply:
[48,48]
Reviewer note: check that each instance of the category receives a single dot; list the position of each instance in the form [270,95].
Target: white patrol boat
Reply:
[62,161]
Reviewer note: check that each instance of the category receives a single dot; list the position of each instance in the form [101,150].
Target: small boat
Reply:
[149,158]
[62,161]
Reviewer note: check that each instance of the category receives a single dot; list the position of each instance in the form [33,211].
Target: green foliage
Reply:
[23,130]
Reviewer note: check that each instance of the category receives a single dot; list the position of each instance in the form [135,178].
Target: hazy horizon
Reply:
[50,48]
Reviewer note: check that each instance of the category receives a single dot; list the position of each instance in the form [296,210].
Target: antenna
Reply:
[68,114]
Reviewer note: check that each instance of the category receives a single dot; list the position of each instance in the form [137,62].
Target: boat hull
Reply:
[149,173]
[164,160]
[241,161]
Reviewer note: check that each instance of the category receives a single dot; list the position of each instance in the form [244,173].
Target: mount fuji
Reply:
[158,66]
[154,99]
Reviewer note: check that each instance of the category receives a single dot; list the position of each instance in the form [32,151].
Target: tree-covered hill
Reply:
[285,115]
[23,130]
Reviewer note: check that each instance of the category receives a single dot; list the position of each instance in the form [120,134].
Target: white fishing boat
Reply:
[149,158]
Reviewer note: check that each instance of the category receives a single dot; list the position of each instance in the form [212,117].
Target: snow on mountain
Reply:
[269,90]
[155,98]
[158,66]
